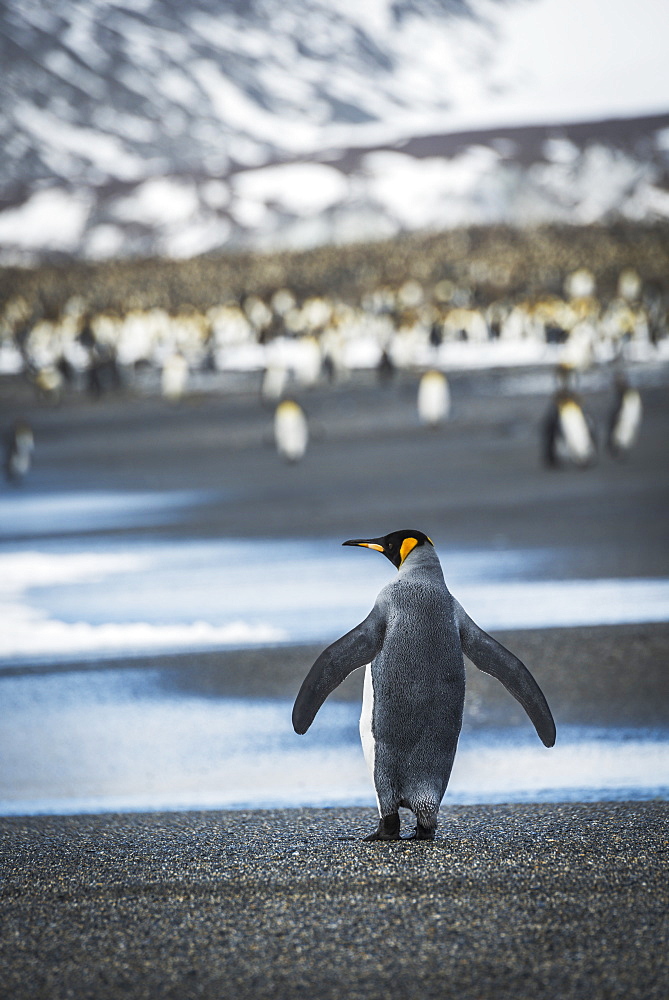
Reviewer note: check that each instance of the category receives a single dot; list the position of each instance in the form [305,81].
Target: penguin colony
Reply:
[409,326]
[411,645]
[296,344]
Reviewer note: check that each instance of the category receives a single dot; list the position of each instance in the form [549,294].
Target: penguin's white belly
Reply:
[433,398]
[627,425]
[290,430]
[274,382]
[366,713]
[576,433]
[19,463]
[175,374]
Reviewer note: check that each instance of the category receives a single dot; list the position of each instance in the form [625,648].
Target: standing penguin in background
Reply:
[434,398]
[174,376]
[291,431]
[412,644]
[568,431]
[625,422]
[19,452]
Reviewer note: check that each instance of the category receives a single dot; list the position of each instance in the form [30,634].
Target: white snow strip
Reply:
[300,188]
[52,219]
[159,201]
[505,772]
[106,152]
[565,603]
[28,630]
[435,191]
[29,635]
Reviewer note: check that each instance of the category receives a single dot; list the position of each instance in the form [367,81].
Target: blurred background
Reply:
[274,275]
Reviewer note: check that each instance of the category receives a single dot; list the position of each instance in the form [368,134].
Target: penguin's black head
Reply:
[396,546]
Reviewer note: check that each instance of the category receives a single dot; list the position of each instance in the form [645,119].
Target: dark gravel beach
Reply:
[510,901]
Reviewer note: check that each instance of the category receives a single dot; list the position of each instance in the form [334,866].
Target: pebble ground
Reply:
[554,901]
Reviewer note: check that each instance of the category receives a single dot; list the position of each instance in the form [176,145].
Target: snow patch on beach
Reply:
[31,631]
[32,635]
[566,603]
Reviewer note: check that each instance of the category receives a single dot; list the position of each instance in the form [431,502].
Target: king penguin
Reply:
[291,431]
[568,431]
[625,420]
[434,398]
[19,449]
[412,644]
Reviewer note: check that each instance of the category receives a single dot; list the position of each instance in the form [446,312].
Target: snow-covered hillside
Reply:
[150,126]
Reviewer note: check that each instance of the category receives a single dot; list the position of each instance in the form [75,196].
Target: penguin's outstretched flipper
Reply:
[494,659]
[355,649]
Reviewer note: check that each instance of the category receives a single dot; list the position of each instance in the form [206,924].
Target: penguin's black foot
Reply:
[422,833]
[389,829]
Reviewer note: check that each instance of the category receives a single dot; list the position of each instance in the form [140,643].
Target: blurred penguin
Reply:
[274,381]
[436,334]
[569,432]
[434,399]
[307,362]
[174,376]
[103,373]
[625,421]
[48,382]
[385,370]
[291,432]
[19,452]
[328,368]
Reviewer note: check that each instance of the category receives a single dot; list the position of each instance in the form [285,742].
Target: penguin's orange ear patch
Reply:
[405,548]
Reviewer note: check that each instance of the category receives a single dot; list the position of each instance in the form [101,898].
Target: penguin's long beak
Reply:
[367,543]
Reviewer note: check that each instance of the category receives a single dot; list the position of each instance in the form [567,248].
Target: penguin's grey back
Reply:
[421,640]
[418,676]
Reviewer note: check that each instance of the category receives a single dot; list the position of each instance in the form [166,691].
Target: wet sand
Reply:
[475,483]
[607,675]
[510,901]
